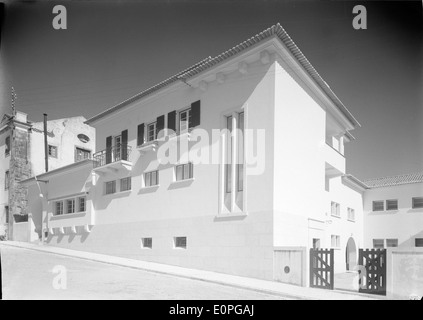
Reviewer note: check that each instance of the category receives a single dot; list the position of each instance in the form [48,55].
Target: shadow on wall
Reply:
[411,242]
[80,233]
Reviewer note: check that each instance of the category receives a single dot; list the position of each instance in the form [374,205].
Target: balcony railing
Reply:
[111,155]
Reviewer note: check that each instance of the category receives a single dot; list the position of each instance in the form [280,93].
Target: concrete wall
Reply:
[404,273]
[404,224]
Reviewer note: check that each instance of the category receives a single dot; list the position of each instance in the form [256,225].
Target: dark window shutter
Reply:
[171,121]
[124,145]
[160,125]
[140,134]
[195,114]
[109,149]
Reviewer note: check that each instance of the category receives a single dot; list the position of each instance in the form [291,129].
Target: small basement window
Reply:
[147,243]
[180,242]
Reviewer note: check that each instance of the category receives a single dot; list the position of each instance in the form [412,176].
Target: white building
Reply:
[393,211]
[271,188]
[22,156]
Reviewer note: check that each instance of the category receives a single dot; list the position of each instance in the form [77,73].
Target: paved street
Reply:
[28,274]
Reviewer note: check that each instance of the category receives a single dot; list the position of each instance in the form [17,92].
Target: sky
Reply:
[112,50]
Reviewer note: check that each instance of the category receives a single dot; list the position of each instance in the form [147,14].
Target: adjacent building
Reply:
[22,156]
[234,165]
[393,211]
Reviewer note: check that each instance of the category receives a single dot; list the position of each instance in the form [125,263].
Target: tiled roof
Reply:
[394,180]
[209,62]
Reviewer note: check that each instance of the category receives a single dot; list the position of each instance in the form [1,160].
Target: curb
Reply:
[42,248]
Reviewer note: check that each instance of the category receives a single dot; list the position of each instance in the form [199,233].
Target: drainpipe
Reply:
[45,142]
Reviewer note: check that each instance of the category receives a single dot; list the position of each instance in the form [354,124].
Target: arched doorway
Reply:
[351,254]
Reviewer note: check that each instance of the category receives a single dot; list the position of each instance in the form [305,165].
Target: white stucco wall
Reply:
[4,194]
[404,224]
[62,133]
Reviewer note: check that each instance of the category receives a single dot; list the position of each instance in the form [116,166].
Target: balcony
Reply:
[113,159]
[335,162]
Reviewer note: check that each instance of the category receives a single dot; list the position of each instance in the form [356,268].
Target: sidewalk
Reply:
[263,286]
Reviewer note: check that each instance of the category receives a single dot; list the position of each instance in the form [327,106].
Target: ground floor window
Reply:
[125,184]
[378,244]
[391,243]
[335,241]
[110,187]
[82,204]
[419,242]
[59,208]
[184,171]
[70,204]
[151,178]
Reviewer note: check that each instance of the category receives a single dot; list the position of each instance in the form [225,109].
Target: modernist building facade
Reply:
[221,167]
[22,156]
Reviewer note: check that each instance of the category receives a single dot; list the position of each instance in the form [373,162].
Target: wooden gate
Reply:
[374,263]
[321,268]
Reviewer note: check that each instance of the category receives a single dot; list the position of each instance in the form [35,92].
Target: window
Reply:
[335,209]
[240,163]
[151,178]
[392,243]
[59,208]
[152,131]
[70,206]
[110,187]
[184,119]
[378,244]
[184,171]
[7,146]
[82,154]
[125,184]
[391,204]
[147,243]
[52,151]
[378,206]
[228,163]
[419,242]
[82,204]
[316,243]
[6,180]
[417,202]
[335,241]
[351,214]
[117,147]
[6,212]
[180,242]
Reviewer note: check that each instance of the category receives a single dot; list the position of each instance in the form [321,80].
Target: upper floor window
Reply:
[110,187]
[392,204]
[378,206]
[184,120]
[152,131]
[184,171]
[351,214]
[335,209]
[7,146]
[6,180]
[52,151]
[82,154]
[417,202]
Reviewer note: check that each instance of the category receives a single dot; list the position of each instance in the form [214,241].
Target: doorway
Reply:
[351,255]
